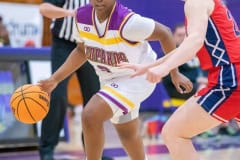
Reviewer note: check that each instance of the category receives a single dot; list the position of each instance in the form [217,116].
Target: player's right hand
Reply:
[48,85]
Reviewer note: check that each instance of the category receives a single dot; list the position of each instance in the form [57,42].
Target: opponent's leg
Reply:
[188,121]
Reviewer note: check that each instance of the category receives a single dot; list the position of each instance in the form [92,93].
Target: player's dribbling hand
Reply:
[48,85]
[139,69]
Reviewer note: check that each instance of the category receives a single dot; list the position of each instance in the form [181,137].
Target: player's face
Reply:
[103,5]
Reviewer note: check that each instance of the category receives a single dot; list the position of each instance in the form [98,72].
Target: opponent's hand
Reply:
[48,85]
[155,74]
[181,82]
[139,69]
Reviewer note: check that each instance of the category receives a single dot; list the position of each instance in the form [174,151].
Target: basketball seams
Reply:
[24,89]
[27,106]
[17,109]
[26,93]
[37,103]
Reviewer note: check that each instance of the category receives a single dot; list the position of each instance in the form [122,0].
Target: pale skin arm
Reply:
[197,13]
[50,11]
[75,60]
[163,34]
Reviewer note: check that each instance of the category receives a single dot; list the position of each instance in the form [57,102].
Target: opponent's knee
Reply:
[167,133]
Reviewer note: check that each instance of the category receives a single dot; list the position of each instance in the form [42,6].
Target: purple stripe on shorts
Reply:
[125,111]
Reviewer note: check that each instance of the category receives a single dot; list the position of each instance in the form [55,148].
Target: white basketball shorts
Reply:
[124,96]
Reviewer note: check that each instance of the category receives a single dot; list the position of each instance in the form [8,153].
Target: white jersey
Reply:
[119,39]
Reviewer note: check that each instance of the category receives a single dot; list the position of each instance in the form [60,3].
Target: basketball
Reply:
[29,104]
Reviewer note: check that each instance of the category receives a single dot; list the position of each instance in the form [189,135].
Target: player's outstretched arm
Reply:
[197,13]
[51,11]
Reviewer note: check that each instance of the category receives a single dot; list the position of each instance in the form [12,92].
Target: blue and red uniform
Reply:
[220,55]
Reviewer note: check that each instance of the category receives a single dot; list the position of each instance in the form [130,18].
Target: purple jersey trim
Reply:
[84,14]
[121,34]
[118,15]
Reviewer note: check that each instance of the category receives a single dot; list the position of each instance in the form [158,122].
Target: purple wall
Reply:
[165,11]
[169,12]
[234,7]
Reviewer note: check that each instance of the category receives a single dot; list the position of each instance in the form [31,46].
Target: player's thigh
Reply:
[190,120]
[97,109]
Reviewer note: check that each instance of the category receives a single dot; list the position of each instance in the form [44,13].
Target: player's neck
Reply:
[102,16]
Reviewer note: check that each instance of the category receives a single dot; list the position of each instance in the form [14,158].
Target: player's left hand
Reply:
[181,82]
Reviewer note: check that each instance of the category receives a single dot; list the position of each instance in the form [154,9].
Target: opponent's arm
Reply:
[197,13]
[51,11]
[164,35]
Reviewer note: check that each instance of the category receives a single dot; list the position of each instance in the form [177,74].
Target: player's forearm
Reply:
[72,63]
[50,11]
[185,52]
[167,42]
[160,60]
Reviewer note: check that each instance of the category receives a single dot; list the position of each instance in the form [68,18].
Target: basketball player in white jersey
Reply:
[108,34]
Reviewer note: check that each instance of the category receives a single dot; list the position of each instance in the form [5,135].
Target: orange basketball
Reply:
[29,103]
